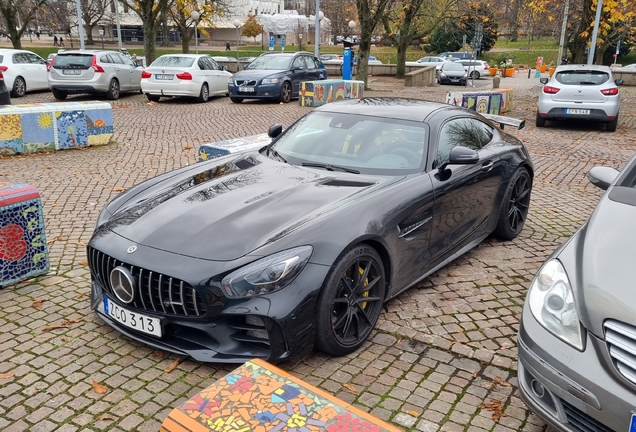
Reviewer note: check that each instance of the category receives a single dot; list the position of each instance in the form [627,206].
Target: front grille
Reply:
[621,340]
[155,292]
[582,422]
[245,82]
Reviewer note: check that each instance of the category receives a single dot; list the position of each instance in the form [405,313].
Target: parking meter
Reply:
[347,59]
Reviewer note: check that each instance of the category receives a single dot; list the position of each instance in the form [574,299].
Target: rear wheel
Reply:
[540,121]
[59,95]
[19,87]
[515,204]
[153,98]
[204,94]
[236,100]
[285,92]
[475,75]
[113,90]
[351,301]
[611,126]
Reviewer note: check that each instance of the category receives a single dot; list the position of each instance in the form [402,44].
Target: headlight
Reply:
[230,80]
[552,303]
[103,217]
[270,81]
[268,274]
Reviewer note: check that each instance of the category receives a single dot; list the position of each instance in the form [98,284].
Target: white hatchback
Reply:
[194,75]
[23,71]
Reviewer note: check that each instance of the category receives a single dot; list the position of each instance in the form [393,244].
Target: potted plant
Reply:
[543,68]
[552,68]
[507,69]
[493,70]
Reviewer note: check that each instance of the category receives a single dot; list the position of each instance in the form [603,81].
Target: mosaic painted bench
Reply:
[30,128]
[23,251]
[236,145]
[259,397]
[317,93]
[496,101]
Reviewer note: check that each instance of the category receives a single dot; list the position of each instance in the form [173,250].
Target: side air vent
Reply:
[346,183]
[244,164]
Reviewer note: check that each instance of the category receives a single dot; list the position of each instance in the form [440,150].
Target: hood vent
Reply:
[346,183]
[244,164]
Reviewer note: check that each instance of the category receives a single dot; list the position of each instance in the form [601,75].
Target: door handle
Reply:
[487,166]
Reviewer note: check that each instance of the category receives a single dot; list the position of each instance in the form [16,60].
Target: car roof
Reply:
[400,108]
[583,66]
[184,55]
[87,51]
[292,54]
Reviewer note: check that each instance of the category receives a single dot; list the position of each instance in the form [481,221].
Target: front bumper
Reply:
[573,391]
[451,80]
[261,91]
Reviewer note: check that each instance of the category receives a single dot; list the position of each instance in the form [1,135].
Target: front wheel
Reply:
[285,93]
[236,100]
[153,98]
[113,90]
[19,87]
[515,205]
[350,301]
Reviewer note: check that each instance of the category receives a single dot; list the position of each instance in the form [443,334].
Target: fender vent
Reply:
[346,183]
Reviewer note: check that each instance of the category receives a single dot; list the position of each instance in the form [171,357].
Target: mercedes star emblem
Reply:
[131,249]
[123,284]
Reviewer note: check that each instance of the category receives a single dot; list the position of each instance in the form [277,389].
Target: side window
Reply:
[20,58]
[464,132]
[116,58]
[299,63]
[126,60]
[311,64]
[213,65]
[35,59]
[105,59]
[202,64]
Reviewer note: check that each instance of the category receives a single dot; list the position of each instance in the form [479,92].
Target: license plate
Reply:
[632,423]
[577,111]
[133,320]
[71,71]
[246,89]
[163,76]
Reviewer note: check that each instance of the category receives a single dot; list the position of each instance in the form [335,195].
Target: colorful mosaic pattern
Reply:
[259,397]
[237,145]
[30,128]
[317,93]
[506,99]
[23,251]
[487,102]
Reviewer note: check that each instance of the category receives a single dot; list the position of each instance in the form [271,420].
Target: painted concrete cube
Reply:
[354,89]
[482,102]
[231,146]
[506,99]
[318,93]
[30,128]
[23,250]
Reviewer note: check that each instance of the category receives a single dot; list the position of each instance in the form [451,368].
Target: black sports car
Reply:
[272,252]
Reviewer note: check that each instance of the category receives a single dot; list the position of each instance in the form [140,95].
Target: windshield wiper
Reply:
[330,167]
[276,154]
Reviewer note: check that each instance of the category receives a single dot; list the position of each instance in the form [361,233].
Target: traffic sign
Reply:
[271,43]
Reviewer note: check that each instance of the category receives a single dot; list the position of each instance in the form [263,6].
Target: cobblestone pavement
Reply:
[440,351]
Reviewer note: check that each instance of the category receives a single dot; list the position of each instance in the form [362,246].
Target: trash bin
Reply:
[5,97]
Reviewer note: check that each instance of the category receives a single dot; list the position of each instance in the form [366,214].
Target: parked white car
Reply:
[195,75]
[428,61]
[23,71]
[475,68]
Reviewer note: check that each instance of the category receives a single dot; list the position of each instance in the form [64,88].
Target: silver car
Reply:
[428,61]
[92,71]
[580,92]
[577,339]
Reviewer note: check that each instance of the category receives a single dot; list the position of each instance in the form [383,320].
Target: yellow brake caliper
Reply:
[366,293]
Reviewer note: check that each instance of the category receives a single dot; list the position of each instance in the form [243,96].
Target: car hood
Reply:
[605,266]
[257,73]
[231,207]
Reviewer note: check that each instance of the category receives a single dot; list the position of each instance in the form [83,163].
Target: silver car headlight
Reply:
[268,274]
[552,304]
[230,80]
[270,81]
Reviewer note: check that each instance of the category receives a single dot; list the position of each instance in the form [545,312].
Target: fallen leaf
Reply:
[118,189]
[54,205]
[60,238]
[150,170]
[172,366]
[72,321]
[414,413]
[350,387]
[499,380]
[495,407]
[46,167]
[79,296]
[63,339]
[475,374]
[157,355]
[53,327]
[459,331]
[188,147]
[399,340]
[104,418]
[150,153]
[38,303]
[79,243]
[83,262]
[6,375]
[99,388]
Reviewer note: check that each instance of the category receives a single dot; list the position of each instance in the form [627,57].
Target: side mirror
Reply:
[223,68]
[460,156]
[543,80]
[602,177]
[618,82]
[275,130]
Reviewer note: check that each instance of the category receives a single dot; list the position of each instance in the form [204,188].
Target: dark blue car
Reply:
[275,77]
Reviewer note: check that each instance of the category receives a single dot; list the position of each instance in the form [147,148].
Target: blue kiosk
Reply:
[347,59]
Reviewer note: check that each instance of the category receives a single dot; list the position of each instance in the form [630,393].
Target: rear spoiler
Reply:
[502,120]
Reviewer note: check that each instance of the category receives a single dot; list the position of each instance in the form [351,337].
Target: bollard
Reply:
[495,82]
[529,71]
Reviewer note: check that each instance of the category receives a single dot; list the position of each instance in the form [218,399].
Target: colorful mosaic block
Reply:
[354,89]
[506,99]
[488,102]
[237,145]
[317,93]
[23,251]
[30,128]
[262,398]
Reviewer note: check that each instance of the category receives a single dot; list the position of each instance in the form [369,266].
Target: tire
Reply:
[348,305]
[285,92]
[611,126]
[540,121]
[19,87]
[514,206]
[59,95]
[236,100]
[113,90]
[153,98]
[475,74]
[204,94]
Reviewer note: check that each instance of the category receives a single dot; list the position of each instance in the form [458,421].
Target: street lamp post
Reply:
[194,15]
[319,17]
[300,40]
[237,24]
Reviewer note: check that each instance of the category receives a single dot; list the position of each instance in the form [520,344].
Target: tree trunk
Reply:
[165,41]
[402,45]
[579,43]
[364,50]
[514,21]
[599,54]
[89,34]
[150,45]
[185,40]
[13,33]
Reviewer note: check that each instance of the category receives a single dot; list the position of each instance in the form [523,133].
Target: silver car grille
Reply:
[621,340]
[155,292]
[245,82]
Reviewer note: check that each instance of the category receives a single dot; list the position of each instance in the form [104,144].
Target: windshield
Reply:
[582,77]
[173,61]
[371,145]
[270,62]
[453,67]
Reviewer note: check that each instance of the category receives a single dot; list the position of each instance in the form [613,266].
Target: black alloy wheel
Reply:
[351,301]
[285,92]
[515,205]
[19,87]
[113,90]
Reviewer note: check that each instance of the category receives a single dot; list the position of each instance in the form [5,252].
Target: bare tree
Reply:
[17,15]
[370,15]
[92,13]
